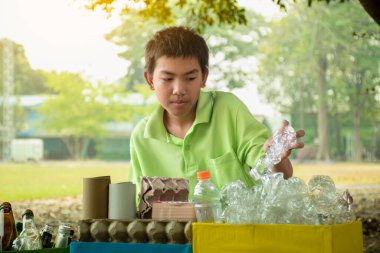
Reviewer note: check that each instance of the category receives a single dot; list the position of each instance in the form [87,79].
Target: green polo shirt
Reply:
[225,139]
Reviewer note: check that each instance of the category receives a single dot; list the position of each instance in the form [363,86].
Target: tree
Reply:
[27,81]
[228,49]
[132,35]
[80,109]
[233,52]
[201,14]
[320,52]
[198,14]
[372,7]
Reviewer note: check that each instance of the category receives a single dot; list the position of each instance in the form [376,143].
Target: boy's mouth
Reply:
[179,102]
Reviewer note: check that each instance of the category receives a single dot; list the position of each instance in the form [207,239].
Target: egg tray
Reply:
[136,231]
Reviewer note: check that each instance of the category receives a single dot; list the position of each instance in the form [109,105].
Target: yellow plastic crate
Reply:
[277,238]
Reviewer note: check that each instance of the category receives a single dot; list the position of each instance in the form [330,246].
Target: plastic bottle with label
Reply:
[206,198]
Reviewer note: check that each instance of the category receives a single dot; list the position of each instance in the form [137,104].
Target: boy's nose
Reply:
[178,88]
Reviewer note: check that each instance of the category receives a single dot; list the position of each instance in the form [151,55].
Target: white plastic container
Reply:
[27,150]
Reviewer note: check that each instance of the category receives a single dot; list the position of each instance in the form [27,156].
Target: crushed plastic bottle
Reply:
[64,235]
[281,141]
[291,201]
[29,238]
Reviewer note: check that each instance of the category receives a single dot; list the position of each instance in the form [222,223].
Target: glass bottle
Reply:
[64,235]
[47,235]
[206,198]
[8,226]
[29,238]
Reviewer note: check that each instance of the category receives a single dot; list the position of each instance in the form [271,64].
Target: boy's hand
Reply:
[297,145]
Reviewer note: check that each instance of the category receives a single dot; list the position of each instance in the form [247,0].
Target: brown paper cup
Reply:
[95,197]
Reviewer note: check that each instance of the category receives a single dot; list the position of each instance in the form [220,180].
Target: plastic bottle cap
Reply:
[28,213]
[6,206]
[202,175]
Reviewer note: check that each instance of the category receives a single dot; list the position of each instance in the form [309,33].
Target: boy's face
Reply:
[177,82]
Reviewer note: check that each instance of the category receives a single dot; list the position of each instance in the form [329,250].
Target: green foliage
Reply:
[372,7]
[198,14]
[293,60]
[289,56]
[147,106]
[229,48]
[80,109]
[233,52]
[27,81]
[132,35]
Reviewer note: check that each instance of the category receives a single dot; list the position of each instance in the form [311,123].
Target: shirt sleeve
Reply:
[251,136]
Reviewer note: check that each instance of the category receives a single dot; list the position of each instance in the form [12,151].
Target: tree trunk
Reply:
[69,146]
[357,148]
[323,142]
[79,143]
[357,105]
[74,146]
[338,137]
[302,113]
[375,130]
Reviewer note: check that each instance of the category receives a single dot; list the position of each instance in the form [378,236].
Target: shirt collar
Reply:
[155,125]
[204,107]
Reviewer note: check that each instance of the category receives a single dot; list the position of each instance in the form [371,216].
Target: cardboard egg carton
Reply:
[137,231]
[160,189]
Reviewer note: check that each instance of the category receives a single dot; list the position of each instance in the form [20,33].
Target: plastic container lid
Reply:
[203,175]
[28,213]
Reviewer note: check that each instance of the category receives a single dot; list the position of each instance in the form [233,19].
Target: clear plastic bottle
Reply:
[64,235]
[47,236]
[206,198]
[29,238]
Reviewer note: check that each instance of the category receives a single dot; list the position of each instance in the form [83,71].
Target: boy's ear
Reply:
[204,78]
[149,79]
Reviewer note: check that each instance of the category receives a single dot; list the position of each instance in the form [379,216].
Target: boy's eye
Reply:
[191,78]
[166,79]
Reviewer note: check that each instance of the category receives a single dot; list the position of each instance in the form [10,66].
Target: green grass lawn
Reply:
[54,179]
[366,173]
[59,179]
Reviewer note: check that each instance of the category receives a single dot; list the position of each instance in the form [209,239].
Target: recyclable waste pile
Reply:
[291,201]
[275,200]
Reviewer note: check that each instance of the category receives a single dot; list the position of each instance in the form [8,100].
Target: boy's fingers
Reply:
[284,124]
[297,145]
[267,144]
[287,153]
[300,133]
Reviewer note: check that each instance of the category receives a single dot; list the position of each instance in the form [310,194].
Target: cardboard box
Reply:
[171,210]
[277,238]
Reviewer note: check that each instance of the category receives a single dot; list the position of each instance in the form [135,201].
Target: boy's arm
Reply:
[251,136]
[254,140]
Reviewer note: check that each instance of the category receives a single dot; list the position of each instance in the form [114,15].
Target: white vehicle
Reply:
[27,150]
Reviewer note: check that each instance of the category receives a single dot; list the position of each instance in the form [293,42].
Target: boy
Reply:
[193,130]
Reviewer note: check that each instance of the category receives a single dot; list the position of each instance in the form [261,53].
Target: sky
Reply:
[61,35]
